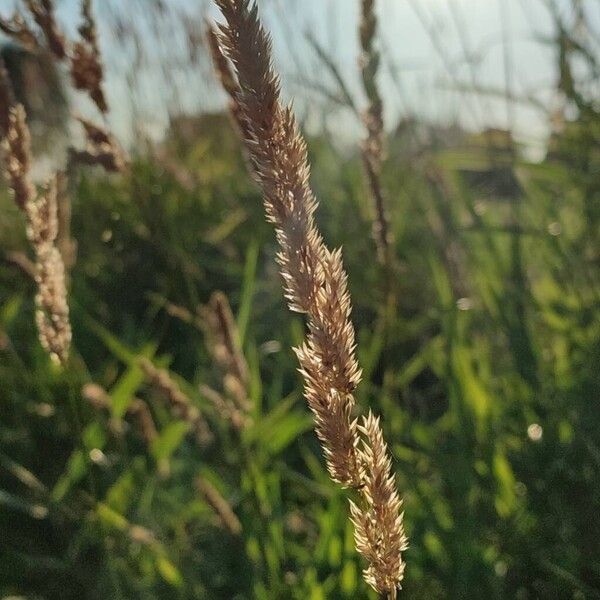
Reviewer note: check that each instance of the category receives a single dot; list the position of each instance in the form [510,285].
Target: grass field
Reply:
[479,344]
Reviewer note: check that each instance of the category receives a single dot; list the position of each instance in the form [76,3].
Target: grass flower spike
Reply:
[41,212]
[316,285]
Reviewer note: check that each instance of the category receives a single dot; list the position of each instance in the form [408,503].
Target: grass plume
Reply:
[41,213]
[87,70]
[180,404]
[316,285]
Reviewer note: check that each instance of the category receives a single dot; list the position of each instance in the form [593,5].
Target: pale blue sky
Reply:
[496,33]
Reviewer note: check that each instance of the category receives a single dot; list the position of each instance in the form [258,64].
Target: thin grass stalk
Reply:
[7,99]
[99,398]
[315,284]
[222,341]
[373,149]
[220,505]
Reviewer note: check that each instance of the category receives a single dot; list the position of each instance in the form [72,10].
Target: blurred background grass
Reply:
[486,372]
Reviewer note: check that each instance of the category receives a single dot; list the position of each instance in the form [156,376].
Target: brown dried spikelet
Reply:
[17,29]
[99,398]
[102,149]
[43,14]
[220,505]
[87,71]
[223,343]
[139,410]
[180,404]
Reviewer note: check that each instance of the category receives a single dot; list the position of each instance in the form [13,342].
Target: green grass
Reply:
[496,327]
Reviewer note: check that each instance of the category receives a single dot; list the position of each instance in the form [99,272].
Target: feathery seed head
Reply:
[87,71]
[17,148]
[52,315]
[379,528]
[223,342]
[315,284]
[180,404]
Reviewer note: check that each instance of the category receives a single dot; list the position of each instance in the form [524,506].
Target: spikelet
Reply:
[227,79]
[101,149]
[87,71]
[17,29]
[181,406]
[17,148]
[373,146]
[43,14]
[220,505]
[315,284]
[379,529]
[314,279]
[52,308]
[222,341]
[99,398]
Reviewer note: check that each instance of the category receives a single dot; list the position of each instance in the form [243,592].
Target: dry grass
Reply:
[222,508]
[222,341]
[48,214]
[41,215]
[316,285]
[179,403]
[42,12]
[87,70]
[138,410]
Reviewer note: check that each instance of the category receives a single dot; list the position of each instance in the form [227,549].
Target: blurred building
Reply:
[39,86]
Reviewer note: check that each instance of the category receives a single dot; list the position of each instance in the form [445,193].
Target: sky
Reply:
[432,50]
[425,43]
